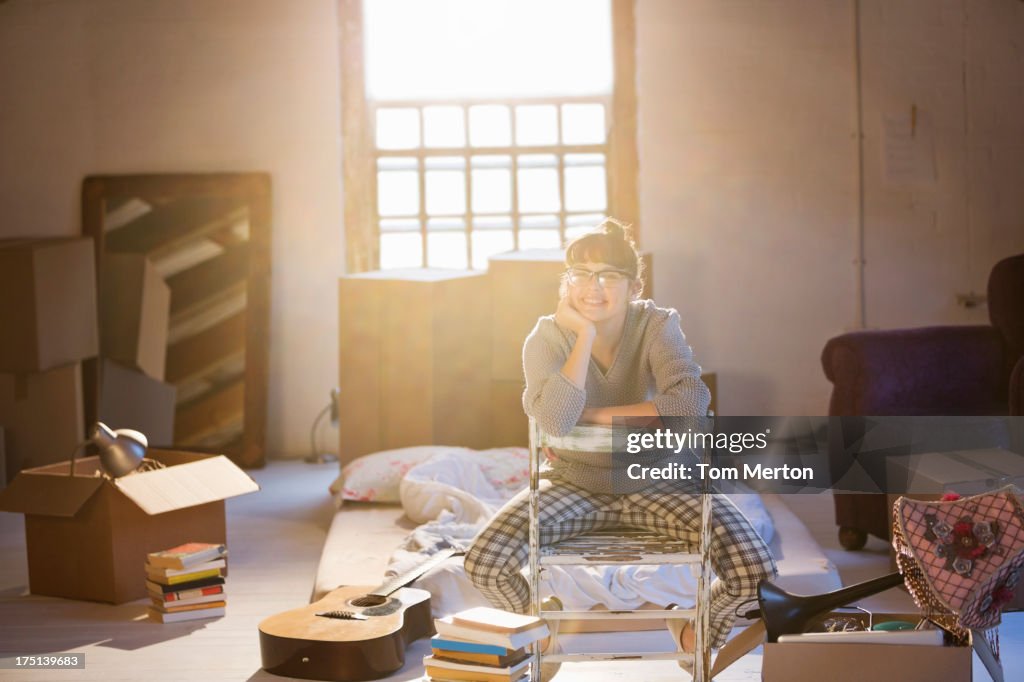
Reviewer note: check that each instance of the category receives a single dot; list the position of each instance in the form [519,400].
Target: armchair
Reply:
[942,370]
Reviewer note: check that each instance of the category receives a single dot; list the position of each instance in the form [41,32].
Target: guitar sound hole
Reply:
[368,600]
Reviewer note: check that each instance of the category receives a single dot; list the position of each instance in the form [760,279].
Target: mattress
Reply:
[363,536]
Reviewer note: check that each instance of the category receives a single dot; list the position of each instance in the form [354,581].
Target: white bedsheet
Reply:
[454,494]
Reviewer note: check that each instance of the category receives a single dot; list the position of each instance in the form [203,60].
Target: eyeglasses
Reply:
[581,277]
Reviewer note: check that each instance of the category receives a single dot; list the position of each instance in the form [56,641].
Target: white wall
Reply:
[120,86]
[749,183]
[749,177]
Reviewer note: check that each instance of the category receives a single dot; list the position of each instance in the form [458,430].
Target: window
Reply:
[481,126]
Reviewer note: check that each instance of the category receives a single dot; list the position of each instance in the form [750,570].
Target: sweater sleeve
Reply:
[550,397]
[679,389]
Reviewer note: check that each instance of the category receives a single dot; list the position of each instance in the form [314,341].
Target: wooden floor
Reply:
[275,537]
[275,540]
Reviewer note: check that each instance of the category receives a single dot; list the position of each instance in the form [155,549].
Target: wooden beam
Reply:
[623,161]
[209,278]
[199,354]
[362,250]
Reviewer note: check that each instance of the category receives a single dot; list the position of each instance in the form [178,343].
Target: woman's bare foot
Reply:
[688,638]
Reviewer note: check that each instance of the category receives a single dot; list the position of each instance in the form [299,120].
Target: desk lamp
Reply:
[121,451]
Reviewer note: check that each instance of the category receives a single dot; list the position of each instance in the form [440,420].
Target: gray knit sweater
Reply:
[653,362]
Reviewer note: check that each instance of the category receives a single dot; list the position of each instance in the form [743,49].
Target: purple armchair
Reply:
[949,370]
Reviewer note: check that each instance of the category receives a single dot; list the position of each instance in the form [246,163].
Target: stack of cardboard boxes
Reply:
[54,339]
[48,316]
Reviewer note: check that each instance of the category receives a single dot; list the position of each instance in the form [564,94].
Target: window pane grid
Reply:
[532,195]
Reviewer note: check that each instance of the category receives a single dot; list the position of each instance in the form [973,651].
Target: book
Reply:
[189,607]
[173,572]
[189,554]
[495,620]
[182,595]
[161,617]
[481,659]
[514,640]
[185,578]
[159,588]
[449,670]
[170,605]
[461,645]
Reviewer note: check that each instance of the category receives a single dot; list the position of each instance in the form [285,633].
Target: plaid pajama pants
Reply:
[739,557]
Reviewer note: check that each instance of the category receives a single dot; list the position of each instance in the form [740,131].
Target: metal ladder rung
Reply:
[606,559]
[618,656]
[643,614]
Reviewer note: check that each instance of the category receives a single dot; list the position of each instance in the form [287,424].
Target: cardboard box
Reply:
[42,416]
[856,662]
[135,308]
[414,359]
[47,303]
[967,472]
[88,536]
[133,400]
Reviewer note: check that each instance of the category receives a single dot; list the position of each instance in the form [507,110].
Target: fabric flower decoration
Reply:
[962,543]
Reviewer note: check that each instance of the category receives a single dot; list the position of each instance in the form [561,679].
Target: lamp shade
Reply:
[121,451]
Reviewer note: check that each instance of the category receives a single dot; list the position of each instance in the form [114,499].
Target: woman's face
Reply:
[599,291]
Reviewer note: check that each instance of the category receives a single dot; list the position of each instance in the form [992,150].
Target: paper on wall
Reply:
[908,149]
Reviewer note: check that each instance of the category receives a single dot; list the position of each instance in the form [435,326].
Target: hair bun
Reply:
[616,228]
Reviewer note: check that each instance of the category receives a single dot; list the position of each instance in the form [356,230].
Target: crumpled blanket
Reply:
[456,492]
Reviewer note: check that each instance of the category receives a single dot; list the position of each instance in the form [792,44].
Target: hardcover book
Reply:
[510,640]
[173,605]
[190,607]
[189,554]
[461,645]
[449,670]
[185,595]
[185,578]
[160,588]
[495,620]
[160,617]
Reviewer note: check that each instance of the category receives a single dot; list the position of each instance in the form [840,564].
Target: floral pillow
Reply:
[377,477]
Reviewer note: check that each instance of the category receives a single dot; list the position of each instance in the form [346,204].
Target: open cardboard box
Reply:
[88,536]
[812,662]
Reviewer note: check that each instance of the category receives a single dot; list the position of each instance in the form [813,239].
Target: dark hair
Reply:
[610,242]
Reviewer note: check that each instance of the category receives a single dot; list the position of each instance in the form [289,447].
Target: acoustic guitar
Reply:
[352,633]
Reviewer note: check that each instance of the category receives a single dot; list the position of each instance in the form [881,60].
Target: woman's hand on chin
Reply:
[569,318]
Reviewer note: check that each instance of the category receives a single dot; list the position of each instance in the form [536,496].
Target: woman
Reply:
[606,353]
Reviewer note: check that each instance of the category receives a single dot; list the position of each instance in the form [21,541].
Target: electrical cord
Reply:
[316,457]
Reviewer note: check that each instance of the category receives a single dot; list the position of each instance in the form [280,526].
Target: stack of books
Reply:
[186,582]
[483,645]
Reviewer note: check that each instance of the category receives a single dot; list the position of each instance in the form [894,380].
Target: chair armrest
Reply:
[1017,388]
[931,370]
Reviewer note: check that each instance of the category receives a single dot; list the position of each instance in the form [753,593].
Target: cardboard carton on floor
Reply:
[135,308]
[88,536]
[132,400]
[849,662]
[47,303]
[42,415]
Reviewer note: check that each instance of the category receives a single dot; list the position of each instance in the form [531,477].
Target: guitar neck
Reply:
[403,579]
